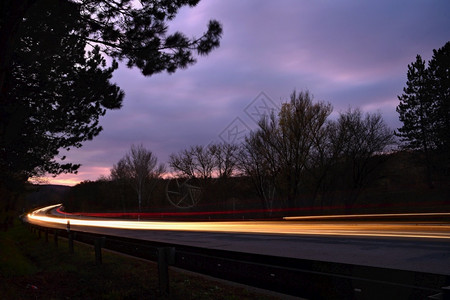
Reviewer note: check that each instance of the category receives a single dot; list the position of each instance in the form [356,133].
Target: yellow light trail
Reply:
[349,228]
[336,217]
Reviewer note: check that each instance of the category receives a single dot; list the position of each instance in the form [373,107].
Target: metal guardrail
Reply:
[309,279]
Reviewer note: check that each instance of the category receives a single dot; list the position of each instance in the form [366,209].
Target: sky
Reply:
[350,53]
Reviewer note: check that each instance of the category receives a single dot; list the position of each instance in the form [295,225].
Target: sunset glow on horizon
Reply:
[86,173]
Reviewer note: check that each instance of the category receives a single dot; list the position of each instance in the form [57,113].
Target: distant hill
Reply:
[45,194]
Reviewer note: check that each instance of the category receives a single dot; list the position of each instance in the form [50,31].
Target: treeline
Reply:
[424,110]
[397,185]
[300,151]
[297,158]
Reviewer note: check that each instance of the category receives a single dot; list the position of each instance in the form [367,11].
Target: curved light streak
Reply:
[361,229]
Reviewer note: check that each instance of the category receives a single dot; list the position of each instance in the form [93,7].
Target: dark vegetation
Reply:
[398,185]
[45,194]
[30,268]
[424,110]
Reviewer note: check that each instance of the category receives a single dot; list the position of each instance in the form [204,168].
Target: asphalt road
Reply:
[417,246]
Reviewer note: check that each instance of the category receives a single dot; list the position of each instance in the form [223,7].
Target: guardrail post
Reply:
[55,237]
[70,237]
[98,250]
[46,235]
[166,256]
[71,242]
[39,233]
[446,293]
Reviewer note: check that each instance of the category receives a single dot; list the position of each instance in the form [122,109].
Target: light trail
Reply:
[348,228]
[360,216]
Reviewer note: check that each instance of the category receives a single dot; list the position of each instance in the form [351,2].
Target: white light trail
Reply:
[360,216]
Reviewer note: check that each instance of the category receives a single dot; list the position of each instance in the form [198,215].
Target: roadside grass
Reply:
[31,268]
